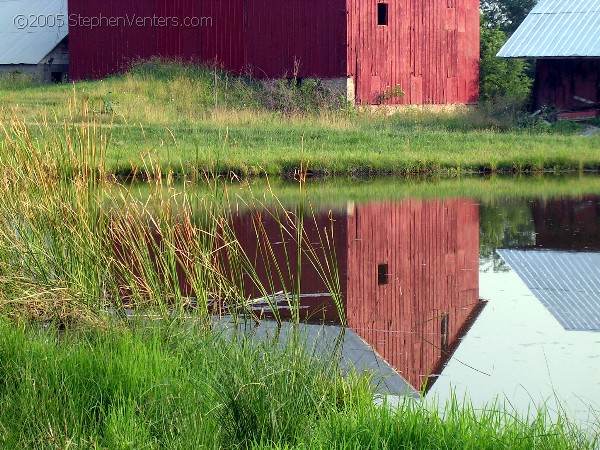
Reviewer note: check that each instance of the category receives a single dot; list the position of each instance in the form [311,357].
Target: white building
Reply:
[33,38]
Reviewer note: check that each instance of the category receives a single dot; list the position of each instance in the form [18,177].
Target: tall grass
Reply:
[160,386]
[69,244]
[182,113]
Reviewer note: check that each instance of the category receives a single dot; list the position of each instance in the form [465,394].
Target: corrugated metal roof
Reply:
[567,284]
[29,29]
[559,29]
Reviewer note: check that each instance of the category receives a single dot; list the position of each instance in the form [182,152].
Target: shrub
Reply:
[505,84]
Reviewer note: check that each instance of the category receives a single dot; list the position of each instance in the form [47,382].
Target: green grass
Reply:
[194,119]
[184,386]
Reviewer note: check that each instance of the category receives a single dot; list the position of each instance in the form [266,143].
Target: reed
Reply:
[71,236]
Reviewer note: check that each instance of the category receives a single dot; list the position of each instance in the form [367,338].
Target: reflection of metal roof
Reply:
[331,342]
[557,28]
[32,43]
[567,284]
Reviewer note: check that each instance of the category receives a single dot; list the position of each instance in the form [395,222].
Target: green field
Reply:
[191,119]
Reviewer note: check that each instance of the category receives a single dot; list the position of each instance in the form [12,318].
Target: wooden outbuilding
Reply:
[564,38]
[33,39]
[389,51]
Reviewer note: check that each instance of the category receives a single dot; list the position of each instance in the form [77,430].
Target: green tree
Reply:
[502,80]
[504,83]
[506,14]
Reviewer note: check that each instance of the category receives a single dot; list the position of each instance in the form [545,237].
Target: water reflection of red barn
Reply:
[408,275]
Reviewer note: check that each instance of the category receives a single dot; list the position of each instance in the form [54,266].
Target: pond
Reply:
[537,341]
[489,295]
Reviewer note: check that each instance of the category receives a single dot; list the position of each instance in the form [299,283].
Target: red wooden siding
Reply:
[429,49]
[311,33]
[224,42]
[105,50]
[558,81]
[264,37]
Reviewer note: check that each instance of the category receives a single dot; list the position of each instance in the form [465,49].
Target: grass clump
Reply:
[185,386]
[192,117]
[155,387]
[17,80]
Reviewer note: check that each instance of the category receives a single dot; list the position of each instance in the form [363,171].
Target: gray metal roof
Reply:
[566,283]
[40,33]
[558,29]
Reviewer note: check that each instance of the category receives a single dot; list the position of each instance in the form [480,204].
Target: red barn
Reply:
[370,50]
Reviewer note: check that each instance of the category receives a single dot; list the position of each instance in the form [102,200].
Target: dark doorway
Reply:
[56,77]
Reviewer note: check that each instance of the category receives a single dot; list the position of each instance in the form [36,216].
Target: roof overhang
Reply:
[557,29]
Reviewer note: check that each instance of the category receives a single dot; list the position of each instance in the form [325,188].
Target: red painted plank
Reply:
[429,48]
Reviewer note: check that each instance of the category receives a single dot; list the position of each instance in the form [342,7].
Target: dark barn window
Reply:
[382,13]
[445,332]
[382,274]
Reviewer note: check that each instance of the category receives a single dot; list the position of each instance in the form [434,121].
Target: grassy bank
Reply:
[186,387]
[194,119]
[75,256]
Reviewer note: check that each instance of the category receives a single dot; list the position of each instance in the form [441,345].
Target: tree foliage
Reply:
[503,82]
[507,15]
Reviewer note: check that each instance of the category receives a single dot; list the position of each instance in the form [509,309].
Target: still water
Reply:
[489,297]
[496,300]
[538,339]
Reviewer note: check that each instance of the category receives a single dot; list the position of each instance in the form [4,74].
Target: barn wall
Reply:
[223,43]
[303,37]
[267,38]
[429,49]
[432,252]
[103,50]
[558,81]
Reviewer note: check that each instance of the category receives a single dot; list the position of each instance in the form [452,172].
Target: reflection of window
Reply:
[382,274]
[445,331]
[382,13]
